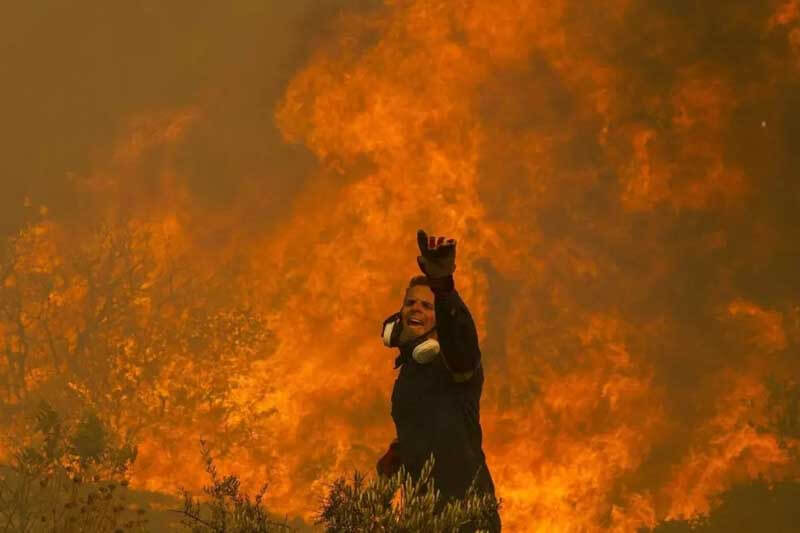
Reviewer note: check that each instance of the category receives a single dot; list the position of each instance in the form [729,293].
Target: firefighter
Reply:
[436,396]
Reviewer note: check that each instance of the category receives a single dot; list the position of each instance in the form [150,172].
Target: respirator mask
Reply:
[423,349]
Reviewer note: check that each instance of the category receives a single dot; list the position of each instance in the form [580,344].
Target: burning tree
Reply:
[114,319]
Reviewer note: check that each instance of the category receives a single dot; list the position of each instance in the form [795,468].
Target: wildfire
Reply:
[615,239]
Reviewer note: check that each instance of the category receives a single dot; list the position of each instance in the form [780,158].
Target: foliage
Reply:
[112,317]
[387,505]
[228,509]
[72,477]
[402,504]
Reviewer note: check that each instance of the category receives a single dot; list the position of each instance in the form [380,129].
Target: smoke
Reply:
[619,177]
[77,75]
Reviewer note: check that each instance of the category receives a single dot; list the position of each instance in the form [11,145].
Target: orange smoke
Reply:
[617,188]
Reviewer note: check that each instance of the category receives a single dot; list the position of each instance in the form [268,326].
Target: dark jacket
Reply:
[436,406]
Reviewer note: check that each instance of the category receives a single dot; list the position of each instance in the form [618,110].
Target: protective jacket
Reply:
[436,406]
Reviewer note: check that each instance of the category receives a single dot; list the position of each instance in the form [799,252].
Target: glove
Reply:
[438,259]
[389,464]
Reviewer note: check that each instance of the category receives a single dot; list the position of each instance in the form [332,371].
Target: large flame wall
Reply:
[621,179]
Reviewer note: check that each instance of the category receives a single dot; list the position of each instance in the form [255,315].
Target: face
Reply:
[417,314]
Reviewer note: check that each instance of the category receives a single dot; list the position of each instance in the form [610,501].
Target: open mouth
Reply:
[414,322]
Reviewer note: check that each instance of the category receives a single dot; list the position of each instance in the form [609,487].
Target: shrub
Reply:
[228,509]
[70,478]
[401,504]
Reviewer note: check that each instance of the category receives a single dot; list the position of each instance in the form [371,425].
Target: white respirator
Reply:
[423,349]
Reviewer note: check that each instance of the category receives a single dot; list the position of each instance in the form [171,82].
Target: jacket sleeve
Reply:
[458,338]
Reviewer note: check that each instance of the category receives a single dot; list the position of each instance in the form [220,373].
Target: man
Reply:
[436,396]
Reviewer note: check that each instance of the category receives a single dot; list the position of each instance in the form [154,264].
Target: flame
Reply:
[615,239]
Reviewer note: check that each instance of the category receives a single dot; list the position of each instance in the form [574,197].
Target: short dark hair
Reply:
[419,280]
[416,280]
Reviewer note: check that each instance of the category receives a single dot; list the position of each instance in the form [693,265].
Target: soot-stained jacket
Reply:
[435,406]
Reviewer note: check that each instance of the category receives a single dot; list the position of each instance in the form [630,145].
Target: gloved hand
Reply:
[389,464]
[438,259]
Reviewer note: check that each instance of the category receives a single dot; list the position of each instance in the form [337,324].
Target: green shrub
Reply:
[70,477]
[400,504]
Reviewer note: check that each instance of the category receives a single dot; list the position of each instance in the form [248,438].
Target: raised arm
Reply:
[458,338]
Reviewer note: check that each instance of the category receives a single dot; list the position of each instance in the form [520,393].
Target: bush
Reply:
[400,504]
[70,478]
[228,509]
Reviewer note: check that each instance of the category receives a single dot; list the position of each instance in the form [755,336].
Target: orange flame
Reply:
[613,239]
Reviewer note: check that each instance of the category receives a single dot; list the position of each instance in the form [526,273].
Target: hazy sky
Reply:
[75,73]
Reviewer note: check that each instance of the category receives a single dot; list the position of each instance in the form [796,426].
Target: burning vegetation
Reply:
[621,178]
